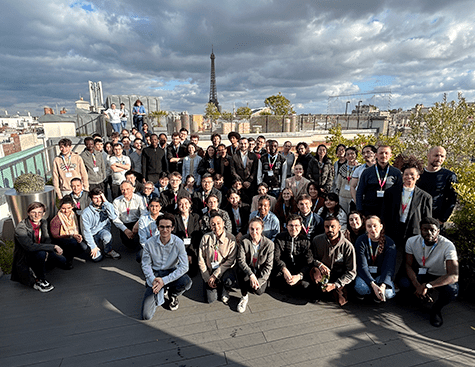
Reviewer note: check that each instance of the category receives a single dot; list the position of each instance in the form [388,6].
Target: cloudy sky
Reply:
[308,50]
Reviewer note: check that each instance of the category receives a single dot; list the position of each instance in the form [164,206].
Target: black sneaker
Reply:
[436,319]
[174,303]
[43,286]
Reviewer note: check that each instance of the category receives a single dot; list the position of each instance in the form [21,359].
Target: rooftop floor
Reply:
[92,316]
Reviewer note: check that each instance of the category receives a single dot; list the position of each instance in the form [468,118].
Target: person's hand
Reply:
[294,279]
[94,252]
[103,198]
[226,162]
[129,234]
[254,282]
[211,170]
[78,238]
[287,275]
[212,282]
[189,259]
[246,184]
[157,285]
[329,287]
[58,250]
[378,291]
[324,270]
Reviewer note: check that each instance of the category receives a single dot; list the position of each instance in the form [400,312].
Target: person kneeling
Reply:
[255,258]
[164,264]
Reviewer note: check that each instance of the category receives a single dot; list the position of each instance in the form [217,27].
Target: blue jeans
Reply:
[116,127]
[175,289]
[103,237]
[123,124]
[138,122]
[227,281]
[364,289]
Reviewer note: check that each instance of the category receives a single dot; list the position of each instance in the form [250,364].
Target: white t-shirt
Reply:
[114,115]
[118,177]
[435,258]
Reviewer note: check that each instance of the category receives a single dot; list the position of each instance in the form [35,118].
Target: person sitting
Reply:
[312,223]
[212,205]
[147,225]
[79,196]
[317,199]
[216,258]
[271,222]
[356,226]
[334,261]
[136,180]
[237,185]
[189,184]
[297,183]
[200,195]
[431,262]
[285,206]
[64,228]
[376,261]
[332,207]
[162,184]
[33,249]
[164,264]
[148,193]
[262,190]
[255,257]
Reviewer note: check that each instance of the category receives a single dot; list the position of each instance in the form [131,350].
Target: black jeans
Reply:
[37,260]
[245,284]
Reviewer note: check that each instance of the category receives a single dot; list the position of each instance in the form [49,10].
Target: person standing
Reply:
[124,117]
[119,164]
[94,163]
[289,157]
[343,179]
[114,115]
[244,166]
[320,170]
[272,169]
[176,152]
[138,112]
[154,160]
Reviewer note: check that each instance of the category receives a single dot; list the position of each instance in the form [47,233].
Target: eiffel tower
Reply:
[213,95]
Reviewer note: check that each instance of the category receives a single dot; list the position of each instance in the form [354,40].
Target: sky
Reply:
[318,54]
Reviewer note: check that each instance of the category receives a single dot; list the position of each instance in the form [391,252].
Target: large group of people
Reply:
[248,216]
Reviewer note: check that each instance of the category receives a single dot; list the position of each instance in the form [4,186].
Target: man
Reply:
[154,160]
[183,133]
[212,206]
[272,169]
[170,196]
[79,195]
[66,166]
[334,258]
[438,183]
[292,259]
[369,155]
[218,184]
[195,139]
[96,225]
[162,141]
[132,176]
[123,118]
[436,259]
[255,259]
[222,164]
[260,148]
[216,140]
[233,138]
[244,166]
[216,258]
[114,115]
[312,223]
[126,148]
[200,196]
[136,156]
[148,192]
[289,157]
[119,164]
[128,207]
[164,264]
[373,183]
[271,222]
[176,151]
[125,133]
[94,163]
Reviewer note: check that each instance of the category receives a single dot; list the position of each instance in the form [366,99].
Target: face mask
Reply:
[162,142]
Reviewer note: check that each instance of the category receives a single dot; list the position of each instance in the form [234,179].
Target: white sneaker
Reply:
[113,254]
[241,307]
[225,296]
[43,286]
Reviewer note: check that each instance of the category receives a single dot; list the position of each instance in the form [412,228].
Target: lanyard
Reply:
[255,255]
[94,159]
[237,216]
[216,250]
[405,203]
[68,166]
[150,228]
[424,258]
[349,172]
[272,164]
[373,255]
[127,206]
[307,228]
[379,178]
[185,223]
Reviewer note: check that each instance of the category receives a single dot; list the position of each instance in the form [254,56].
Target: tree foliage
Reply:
[212,112]
[244,112]
[279,105]
[227,115]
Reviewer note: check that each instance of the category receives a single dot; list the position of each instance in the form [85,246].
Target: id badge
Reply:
[270,173]
[422,271]
[380,193]
[214,265]
[96,169]
[347,187]
[69,174]
[187,241]
[204,210]
[373,269]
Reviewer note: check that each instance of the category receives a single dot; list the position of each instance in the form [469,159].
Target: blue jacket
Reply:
[94,220]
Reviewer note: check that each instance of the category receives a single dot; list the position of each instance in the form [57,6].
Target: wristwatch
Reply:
[428,286]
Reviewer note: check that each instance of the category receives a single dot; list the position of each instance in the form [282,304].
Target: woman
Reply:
[331,207]
[238,213]
[285,206]
[317,199]
[343,178]
[190,184]
[106,153]
[190,164]
[262,190]
[207,163]
[33,249]
[320,170]
[304,157]
[145,129]
[188,229]
[355,226]
[341,160]
[297,183]
[212,202]
[375,261]
[237,184]
[64,229]
[138,111]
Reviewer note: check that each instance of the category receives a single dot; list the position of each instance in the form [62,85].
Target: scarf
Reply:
[69,226]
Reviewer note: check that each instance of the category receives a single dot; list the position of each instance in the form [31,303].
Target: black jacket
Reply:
[154,162]
[244,212]
[302,258]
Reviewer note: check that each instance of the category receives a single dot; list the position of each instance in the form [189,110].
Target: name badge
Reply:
[96,169]
[69,174]
[270,173]
[373,269]
[347,187]
[204,210]
[214,265]
[422,271]
[380,193]
[187,241]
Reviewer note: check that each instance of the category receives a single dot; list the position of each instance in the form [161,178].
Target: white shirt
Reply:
[114,115]
[118,177]
[128,211]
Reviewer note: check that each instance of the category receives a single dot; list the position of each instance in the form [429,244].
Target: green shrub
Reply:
[6,256]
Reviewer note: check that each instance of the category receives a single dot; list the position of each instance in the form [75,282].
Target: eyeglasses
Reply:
[165,227]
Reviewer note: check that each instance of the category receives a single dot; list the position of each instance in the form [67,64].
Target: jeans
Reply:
[123,124]
[103,237]
[226,281]
[116,127]
[37,261]
[363,289]
[72,248]
[138,122]
[175,289]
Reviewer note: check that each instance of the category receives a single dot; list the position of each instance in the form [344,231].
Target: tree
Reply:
[228,116]
[244,112]
[212,112]
[279,105]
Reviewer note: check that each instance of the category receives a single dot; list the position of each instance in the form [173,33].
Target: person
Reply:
[255,258]
[218,184]
[334,260]
[147,225]
[136,179]
[33,249]
[369,155]
[289,157]
[297,183]
[332,207]
[176,151]
[216,258]
[285,206]
[148,193]
[206,165]
[162,141]
[320,170]
[107,152]
[94,163]
[376,262]
[318,199]
[124,116]
[164,264]
[66,166]
[373,183]
[223,165]
[237,185]
[64,228]
[262,190]
[260,148]
[191,163]
[114,115]
[200,195]
[244,166]
[189,184]
[343,180]
[356,226]
[163,183]
[252,144]
[79,196]
[292,260]
[138,112]
[212,206]
[154,160]
[188,229]
[233,138]
[96,226]
[238,213]
[145,129]
[312,223]
[125,133]
[216,140]
[119,164]
[171,195]
[304,157]
[195,139]
[126,148]
[271,222]
[438,183]
[272,169]
[136,156]
[115,137]
[340,162]
[184,136]
[436,258]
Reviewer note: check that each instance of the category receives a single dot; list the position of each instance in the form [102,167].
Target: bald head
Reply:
[436,158]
